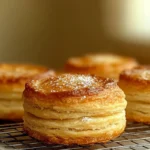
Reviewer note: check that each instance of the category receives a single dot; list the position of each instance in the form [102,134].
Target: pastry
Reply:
[12,82]
[105,65]
[74,109]
[136,85]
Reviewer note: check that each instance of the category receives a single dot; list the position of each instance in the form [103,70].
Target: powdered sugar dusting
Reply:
[68,82]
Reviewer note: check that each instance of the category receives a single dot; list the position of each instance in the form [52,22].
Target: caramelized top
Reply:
[139,73]
[68,84]
[12,73]
[97,59]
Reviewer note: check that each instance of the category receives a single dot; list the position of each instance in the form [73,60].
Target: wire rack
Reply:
[136,137]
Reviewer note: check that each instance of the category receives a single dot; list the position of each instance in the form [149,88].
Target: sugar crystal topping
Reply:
[67,82]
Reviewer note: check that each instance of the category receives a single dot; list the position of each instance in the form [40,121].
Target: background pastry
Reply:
[136,85]
[105,65]
[74,109]
[12,83]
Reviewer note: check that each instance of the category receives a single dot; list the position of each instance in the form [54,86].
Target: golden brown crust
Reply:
[68,141]
[135,118]
[106,65]
[136,85]
[73,109]
[11,107]
[12,82]
[139,75]
[43,91]
[12,116]
[19,73]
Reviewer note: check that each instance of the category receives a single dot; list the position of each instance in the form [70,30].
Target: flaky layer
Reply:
[105,65]
[76,124]
[11,109]
[81,140]
[70,131]
[47,111]
[138,111]
[11,95]
[136,85]
[12,84]
[73,109]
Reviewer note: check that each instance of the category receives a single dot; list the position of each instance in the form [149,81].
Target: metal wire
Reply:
[136,137]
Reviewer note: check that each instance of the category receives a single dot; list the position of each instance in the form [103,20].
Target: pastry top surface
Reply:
[19,73]
[68,82]
[139,74]
[70,86]
[91,60]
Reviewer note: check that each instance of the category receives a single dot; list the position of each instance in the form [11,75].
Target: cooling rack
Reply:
[135,137]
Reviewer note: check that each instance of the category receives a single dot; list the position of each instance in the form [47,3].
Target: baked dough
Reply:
[12,82]
[74,109]
[136,85]
[105,65]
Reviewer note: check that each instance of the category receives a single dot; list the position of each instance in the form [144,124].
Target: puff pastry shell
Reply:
[74,109]
[105,65]
[136,85]
[12,82]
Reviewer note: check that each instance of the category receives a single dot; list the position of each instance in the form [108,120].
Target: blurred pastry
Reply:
[12,83]
[136,85]
[74,109]
[105,65]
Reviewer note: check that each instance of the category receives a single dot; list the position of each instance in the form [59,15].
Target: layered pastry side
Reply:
[104,65]
[74,109]
[12,83]
[136,85]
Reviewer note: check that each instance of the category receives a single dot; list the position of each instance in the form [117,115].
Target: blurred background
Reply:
[49,31]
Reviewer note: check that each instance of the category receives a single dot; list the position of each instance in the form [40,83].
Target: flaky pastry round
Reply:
[12,83]
[105,65]
[136,85]
[74,109]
